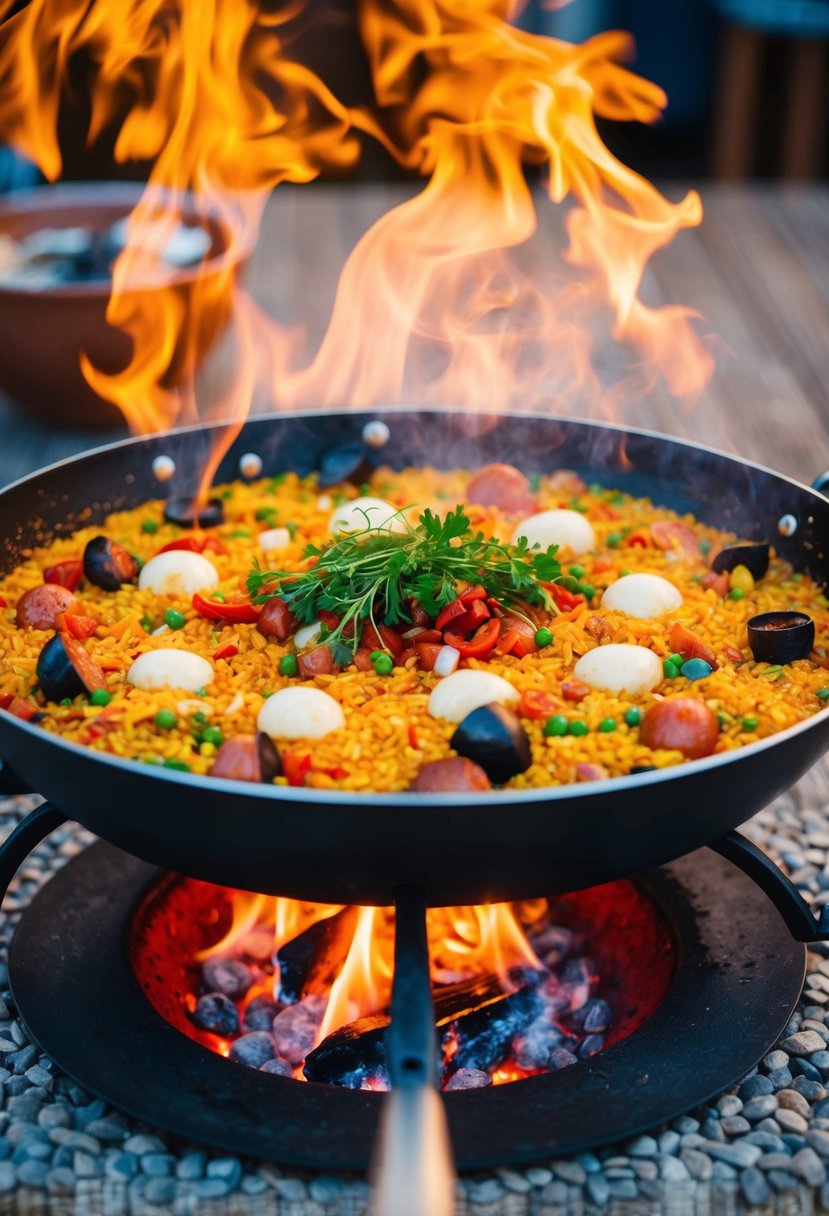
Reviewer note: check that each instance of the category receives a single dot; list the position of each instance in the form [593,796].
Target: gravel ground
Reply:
[760,1142]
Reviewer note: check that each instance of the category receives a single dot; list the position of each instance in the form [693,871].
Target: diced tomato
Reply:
[507,641]
[603,511]
[601,565]
[564,600]
[79,626]
[452,610]
[479,645]
[638,540]
[400,660]
[240,613]
[212,544]
[428,635]
[427,653]
[362,659]
[6,699]
[382,638]
[226,652]
[329,619]
[717,582]
[686,643]
[188,544]
[337,773]
[733,654]
[538,705]
[295,766]
[574,690]
[4,603]
[68,573]
[475,616]
[22,708]
[413,738]
[473,593]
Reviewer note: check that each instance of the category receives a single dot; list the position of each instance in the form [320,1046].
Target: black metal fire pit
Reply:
[737,978]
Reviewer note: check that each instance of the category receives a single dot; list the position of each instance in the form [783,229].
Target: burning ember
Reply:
[303,990]
[445,299]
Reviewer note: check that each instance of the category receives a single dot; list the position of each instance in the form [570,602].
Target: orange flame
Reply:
[448,298]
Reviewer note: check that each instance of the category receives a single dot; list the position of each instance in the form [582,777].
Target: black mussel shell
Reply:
[186,514]
[345,462]
[107,564]
[270,761]
[781,637]
[493,737]
[642,768]
[754,556]
[56,673]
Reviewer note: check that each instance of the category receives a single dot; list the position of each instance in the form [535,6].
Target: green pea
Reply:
[607,725]
[543,637]
[68,701]
[557,725]
[200,717]
[614,540]
[633,716]
[704,546]
[267,692]
[288,665]
[676,659]
[749,723]
[381,662]
[587,590]
[225,495]
[264,514]
[165,719]
[174,618]
[823,694]
[181,766]
[576,571]
[669,670]
[365,489]
[99,697]
[570,584]
[149,526]
[578,728]
[736,593]
[213,735]
[147,623]
[616,497]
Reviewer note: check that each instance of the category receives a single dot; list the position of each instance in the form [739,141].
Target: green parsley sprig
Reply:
[369,575]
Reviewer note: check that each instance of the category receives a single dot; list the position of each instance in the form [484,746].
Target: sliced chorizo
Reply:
[40,607]
[454,775]
[317,662]
[502,486]
[276,620]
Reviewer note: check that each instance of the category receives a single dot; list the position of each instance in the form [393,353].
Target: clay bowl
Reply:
[44,330]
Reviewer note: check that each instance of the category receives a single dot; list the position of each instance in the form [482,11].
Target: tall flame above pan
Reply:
[445,299]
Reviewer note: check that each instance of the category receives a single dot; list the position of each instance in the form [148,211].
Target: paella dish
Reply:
[423,630]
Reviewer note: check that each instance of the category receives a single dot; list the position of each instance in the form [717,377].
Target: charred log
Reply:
[310,963]
[353,1056]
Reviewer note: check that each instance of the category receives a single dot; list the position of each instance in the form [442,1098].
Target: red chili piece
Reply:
[67,573]
[239,613]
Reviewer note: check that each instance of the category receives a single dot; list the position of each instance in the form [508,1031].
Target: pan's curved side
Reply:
[357,849]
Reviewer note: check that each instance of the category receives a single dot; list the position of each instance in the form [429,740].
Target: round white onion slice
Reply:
[462,691]
[170,669]
[567,529]
[178,573]
[620,668]
[642,595]
[300,713]
[366,512]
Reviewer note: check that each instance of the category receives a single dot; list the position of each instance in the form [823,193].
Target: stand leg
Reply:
[413,1174]
[799,917]
[26,836]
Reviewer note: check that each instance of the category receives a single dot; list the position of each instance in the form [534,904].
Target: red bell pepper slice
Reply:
[240,613]
[538,705]
[188,544]
[226,652]
[4,603]
[76,624]
[382,638]
[453,609]
[212,544]
[19,706]
[686,643]
[477,646]
[329,619]
[295,767]
[471,619]
[473,593]
[66,574]
[564,600]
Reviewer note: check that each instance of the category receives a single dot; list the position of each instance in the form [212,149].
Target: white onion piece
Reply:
[236,704]
[642,595]
[300,713]
[307,635]
[567,529]
[447,661]
[185,708]
[414,632]
[274,539]
[364,513]
[325,502]
[170,669]
[178,573]
[620,668]
[161,629]
[463,691]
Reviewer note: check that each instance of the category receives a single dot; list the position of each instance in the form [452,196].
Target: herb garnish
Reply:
[373,572]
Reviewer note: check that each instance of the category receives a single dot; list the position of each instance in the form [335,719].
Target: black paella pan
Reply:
[343,847]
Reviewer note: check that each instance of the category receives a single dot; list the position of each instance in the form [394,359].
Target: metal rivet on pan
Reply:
[376,434]
[787,525]
[250,465]
[164,467]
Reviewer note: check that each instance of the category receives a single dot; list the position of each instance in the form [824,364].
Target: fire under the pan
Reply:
[303,990]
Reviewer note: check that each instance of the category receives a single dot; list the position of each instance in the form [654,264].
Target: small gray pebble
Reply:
[326,1190]
[643,1146]
[711,1130]
[85,1165]
[556,1193]
[489,1190]
[729,1104]
[754,1087]
[685,1124]
[646,1167]
[791,1121]
[808,1166]
[211,1188]
[54,1116]
[669,1142]
[768,1125]
[160,1191]
[589,1162]
[739,1154]
[625,1188]
[142,1143]
[227,1168]
[803,1043]
[191,1167]
[61,1181]
[108,1128]
[782,1180]
[735,1125]
[293,1189]
[598,1188]
[760,1107]
[812,1091]
[754,1186]
[158,1165]
[570,1171]
[776,1059]
[514,1181]
[8,1178]
[121,1166]
[33,1173]
[673,1169]
[721,1171]
[253,1184]
[818,1140]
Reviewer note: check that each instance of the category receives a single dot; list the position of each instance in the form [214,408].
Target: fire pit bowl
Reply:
[45,329]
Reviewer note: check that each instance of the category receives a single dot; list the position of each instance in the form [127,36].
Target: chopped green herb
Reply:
[373,571]
[822,694]
[749,723]
[614,540]
[535,482]
[181,766]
